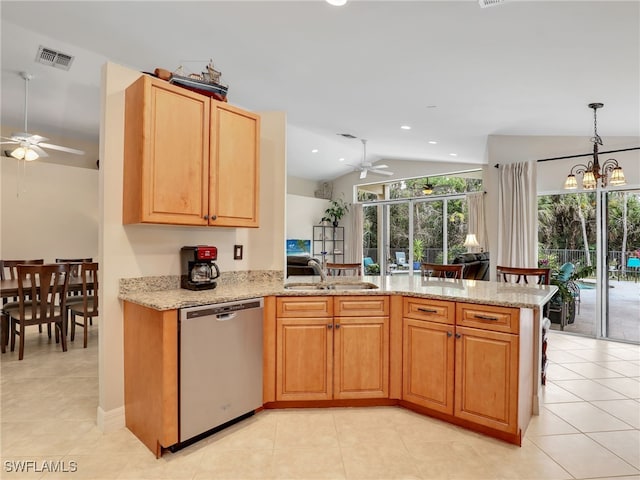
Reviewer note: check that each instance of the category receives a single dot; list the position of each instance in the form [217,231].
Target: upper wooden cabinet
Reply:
[188,160]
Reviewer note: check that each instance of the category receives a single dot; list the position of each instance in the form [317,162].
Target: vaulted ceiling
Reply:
[452,71]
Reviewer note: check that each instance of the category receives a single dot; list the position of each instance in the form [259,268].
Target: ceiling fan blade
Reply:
[10,141]
[363,173]
[380,166]
[62,149]
[28,137]
[38,150]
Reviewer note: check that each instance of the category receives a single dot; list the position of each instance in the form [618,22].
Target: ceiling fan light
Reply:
[30,155]
[18,153]
[336,3]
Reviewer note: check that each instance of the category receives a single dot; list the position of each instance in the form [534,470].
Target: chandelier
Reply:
[608,173]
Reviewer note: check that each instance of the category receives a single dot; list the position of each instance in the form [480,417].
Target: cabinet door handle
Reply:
[449,334]
[330,326]
[486,317]
[214,217]
[206,217]
[458,335]
[337,325]
[427,310]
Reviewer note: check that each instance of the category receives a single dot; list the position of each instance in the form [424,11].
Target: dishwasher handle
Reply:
[225,317]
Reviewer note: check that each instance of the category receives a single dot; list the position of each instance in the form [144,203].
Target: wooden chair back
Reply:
[441,271]
[9,270]
[336,269]
[75,264]
[521,275]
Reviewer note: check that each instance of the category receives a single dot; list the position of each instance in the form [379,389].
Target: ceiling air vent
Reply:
[489,3]
[346,135]
[54,58]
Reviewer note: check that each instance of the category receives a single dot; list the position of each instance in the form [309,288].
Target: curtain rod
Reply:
[580,155]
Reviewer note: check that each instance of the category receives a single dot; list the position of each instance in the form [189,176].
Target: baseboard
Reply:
[112,420]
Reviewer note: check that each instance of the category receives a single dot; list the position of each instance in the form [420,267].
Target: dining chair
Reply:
[75,264]
[441,271]
[88,307]
[9,271]
[540,276]
[336,269]
[42,292]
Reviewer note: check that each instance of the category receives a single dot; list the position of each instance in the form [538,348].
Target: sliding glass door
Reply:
[621,246]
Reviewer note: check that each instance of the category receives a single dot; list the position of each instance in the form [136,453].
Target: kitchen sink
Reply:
[331,286]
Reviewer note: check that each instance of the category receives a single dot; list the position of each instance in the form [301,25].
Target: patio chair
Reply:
[401,260]
[633,265]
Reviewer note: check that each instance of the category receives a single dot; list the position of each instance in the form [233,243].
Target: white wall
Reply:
[302,214]
[145,250]
[301,186]
[48,211]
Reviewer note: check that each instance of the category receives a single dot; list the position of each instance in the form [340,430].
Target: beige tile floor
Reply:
[589,427]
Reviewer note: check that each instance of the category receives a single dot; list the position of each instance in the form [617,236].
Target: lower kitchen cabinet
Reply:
[428,353]
[151,375]
[304,350]
[322,357]
[487,378]
[428,364]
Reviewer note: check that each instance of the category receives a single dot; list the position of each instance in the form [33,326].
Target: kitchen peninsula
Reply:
[464,351]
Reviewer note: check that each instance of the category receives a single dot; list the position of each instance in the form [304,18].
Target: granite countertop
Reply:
[164,293]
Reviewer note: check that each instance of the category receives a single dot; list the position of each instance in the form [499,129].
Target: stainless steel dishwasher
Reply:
[220,365]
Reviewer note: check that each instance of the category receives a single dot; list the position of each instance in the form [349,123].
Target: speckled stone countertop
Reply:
[164,293]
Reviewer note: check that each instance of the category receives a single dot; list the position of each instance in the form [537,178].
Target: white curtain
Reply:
[518,216]
[355,240]
[476,218]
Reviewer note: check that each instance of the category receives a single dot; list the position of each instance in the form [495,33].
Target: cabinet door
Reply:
[361,357]
[428,363]
[235,173]
[486,378]
[166,154]
[304,350]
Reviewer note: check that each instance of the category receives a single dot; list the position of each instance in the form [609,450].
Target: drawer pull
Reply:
[427,310]
[486,317]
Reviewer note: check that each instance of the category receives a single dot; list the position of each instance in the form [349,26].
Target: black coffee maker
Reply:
[199,269]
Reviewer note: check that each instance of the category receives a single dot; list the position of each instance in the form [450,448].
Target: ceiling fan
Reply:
[29,146]
[366,167]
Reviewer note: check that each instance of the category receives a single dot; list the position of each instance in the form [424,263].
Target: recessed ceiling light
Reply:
[341,159]
[336,3]
[432,142]
[432,106]
[315,150]
[405,127]
[453,154]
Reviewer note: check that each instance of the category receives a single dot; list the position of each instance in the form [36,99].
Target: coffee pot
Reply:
[199,270]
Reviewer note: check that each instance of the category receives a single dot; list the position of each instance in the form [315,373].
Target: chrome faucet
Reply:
[313,263]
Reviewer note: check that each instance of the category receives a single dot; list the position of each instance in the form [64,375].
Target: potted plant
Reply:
[335,211]
[418,252]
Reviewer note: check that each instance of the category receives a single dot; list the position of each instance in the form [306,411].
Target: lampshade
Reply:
[589,180]
[617,177]
[571,182]
[25,153]
[471,240]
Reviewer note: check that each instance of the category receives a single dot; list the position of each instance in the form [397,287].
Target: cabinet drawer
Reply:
[305,307]
[431,310]
[487,317]
[355,306]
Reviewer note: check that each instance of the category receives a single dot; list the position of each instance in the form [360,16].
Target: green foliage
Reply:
[336,210]
[418,250]
[372,269]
